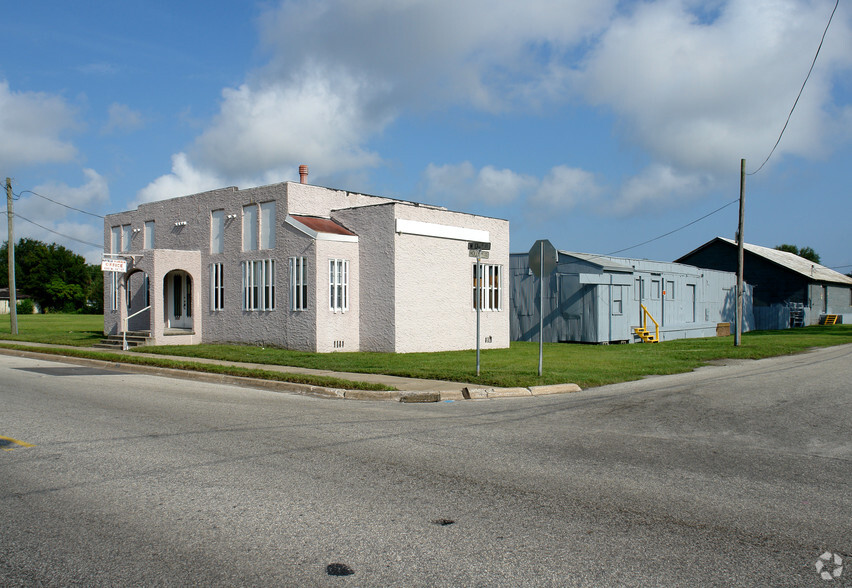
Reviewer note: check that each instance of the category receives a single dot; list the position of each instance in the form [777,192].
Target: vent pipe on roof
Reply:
[303,174]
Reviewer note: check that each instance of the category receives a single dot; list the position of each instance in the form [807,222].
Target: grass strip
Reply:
[585,365]
[228,370]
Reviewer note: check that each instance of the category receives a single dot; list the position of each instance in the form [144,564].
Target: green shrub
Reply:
[25,306]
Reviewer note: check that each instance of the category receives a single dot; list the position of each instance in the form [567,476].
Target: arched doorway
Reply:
[178,304]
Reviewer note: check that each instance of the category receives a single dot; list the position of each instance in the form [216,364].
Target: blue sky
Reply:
[597,125]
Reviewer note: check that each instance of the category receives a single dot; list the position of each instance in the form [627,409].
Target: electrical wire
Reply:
[676,230]
[59,203]
[98,245]
[802,89]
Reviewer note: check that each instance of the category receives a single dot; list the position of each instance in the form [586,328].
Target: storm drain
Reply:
[338,569]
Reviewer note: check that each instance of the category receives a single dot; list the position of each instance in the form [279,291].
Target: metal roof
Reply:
[795,263]
[601,261]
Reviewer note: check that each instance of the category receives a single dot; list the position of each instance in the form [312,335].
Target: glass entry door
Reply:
[179,300]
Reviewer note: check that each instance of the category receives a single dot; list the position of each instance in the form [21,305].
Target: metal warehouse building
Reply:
[603,299]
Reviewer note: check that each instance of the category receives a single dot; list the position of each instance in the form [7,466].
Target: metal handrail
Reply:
[645,316]
[126,321]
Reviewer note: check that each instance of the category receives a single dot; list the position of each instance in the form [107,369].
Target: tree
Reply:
[54,277]
[806,252]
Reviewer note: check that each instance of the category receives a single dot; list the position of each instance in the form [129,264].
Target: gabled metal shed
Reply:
[600,299]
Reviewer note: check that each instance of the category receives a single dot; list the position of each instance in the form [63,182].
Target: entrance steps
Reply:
[645,335]
[116,342]
[829,319]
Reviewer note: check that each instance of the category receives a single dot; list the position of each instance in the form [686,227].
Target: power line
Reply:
[98,245]
[56,202]
[802,89]
[675,230]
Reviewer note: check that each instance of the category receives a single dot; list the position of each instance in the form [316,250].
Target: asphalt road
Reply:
[737,475]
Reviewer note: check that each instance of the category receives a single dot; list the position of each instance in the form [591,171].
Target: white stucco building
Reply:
[308,268]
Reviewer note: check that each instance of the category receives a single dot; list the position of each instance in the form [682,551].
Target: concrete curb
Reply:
[406,396]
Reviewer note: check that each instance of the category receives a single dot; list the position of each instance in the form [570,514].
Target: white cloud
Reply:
[462,183]
[31,128]
[564,188]
[122,119]
[317,118]
[702,92]
[86,197]
[184,179]
[656,186]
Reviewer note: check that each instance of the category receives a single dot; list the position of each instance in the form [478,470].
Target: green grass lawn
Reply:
[81,330]
[585,365]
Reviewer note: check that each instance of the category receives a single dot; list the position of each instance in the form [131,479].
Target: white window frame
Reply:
[338,285]
[298,283]
[258,284]
[491,293]
[148,235]
[115,282]
[115,240]
[267,225]
[217,231]
[217,286]
[126,235]
[250,236]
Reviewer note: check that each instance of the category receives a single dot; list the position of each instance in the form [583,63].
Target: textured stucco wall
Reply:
[332,326]
[374,226]
[434,285]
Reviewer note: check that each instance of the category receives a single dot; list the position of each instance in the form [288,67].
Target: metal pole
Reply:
[10,247]
[541,307]
[738,333]
[478,307]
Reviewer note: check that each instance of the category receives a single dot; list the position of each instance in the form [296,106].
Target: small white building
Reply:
[308,268]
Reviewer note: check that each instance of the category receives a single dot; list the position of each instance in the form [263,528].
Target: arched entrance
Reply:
[177,289]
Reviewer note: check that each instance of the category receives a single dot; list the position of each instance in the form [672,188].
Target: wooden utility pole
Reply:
[13,295]
[740,257]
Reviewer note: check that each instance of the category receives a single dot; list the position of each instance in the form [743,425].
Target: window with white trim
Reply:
[115,240]
[114,290]
[258,280]
[126,234]
[148,235]
[298,283]
[217,286]
[250,227]
[267,225]
[338,282]
[217,231]
[491,293]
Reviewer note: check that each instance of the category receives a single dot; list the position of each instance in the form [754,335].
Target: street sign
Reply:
[478,253]
[114,265]
[543,258]
[471,245]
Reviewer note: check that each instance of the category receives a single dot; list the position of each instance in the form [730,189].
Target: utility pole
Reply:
[13,295]
[738,334]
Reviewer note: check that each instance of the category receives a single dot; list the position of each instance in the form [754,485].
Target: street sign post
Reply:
[543,258]
[479,250]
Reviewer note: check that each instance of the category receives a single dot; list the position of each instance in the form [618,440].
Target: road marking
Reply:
[8,444]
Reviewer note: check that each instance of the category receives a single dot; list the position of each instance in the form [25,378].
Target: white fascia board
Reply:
[413,227]
[317,235]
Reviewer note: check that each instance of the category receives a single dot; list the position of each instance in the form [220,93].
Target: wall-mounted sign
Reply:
[114,265]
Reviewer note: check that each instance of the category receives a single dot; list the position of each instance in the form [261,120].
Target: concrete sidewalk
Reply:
[406,389]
